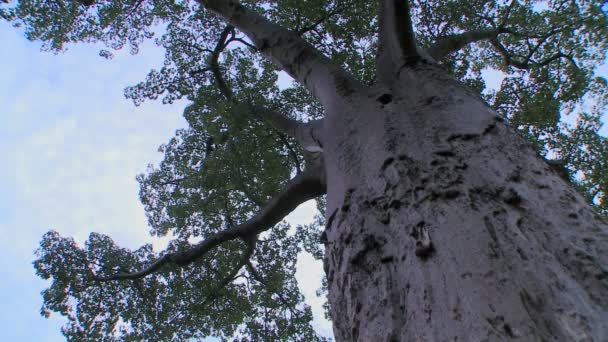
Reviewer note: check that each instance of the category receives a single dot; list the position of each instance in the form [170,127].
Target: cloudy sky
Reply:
[70,148]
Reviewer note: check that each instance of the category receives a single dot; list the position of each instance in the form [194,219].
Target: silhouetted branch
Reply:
[214,64]
[319,21]
[323,78]
[290,150]
[452,43]
[527,62]
[282,123]
[242,262]
[303,187]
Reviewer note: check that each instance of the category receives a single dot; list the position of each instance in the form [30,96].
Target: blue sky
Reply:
[70,148]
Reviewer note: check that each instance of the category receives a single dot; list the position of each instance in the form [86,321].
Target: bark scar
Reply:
[424,245]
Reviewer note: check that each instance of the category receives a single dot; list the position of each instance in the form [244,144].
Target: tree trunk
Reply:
[444,225]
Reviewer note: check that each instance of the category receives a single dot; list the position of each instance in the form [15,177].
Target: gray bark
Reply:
[444,225]
[286,49]
[397,42]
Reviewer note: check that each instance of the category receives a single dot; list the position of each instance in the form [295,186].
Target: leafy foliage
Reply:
[225,165]
[175,303]
[548,59]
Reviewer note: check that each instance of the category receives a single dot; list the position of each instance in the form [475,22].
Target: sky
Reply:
[71,146]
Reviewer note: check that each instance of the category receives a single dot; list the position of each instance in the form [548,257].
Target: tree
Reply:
[441,221]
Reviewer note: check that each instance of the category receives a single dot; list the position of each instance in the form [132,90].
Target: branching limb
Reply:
[446,45]
[292,153]
[452,43]
[214,62]
[306,134]
[279,121]
[324,79]
[397,19]
[527,62]
[396,42]
[319,21]
[303,187]
[255,274]
[85,2]
[257,277]
[242,262]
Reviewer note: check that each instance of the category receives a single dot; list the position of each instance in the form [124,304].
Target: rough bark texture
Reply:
[288,51]
[444,225]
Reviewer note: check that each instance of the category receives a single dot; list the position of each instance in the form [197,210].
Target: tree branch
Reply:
[325,80]
[85,2]
[446,45]
[307,135]
[257,277]
[280,122]
[290,150]
[303,187]
[527,62]
[244,260]
[244,42]
[396,41]
[399,21]
[319,21]
[214,62]
[452,43]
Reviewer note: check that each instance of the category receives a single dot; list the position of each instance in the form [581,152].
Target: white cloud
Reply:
[310,271]
[70,147]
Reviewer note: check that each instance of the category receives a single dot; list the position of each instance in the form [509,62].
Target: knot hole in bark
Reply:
[385,98]
[424,246]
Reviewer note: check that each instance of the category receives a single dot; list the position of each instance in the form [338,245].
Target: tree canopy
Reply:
[235,155]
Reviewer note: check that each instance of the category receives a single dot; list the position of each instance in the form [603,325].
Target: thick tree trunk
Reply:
[444,225]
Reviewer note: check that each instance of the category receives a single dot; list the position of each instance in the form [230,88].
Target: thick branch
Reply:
[292,128]
[257,277]
[303,187]
[396,41]
[325,80]
[214,62]
[452,43]
[307,135]
[397,20]
[280,122]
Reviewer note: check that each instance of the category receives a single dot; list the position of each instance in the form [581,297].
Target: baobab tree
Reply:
[440,220]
